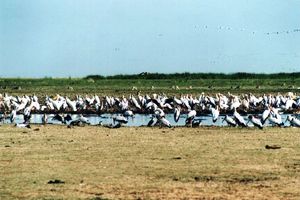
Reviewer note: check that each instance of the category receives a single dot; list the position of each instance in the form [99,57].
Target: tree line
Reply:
[186,75]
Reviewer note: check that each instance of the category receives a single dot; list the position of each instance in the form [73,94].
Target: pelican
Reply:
[275,119]
[128,113]
[215,114]
[13,116]
[152,121]
[177,114]
[265,115]
[22,125]
[293,121]
[177,101]
[239,119]
[230,121]
[159,112]
[165,122]
[58,117]
[256,122]
[71,104]
[196,122]
[63,119]
[120,119]
[83,119]
[22,105]
[27,115]
[135,102]
[190,117]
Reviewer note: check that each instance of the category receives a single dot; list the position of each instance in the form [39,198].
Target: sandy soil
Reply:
[149,163]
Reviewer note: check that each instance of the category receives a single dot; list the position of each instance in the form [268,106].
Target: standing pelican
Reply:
[215,113]
[27,115]
[265,115]
[275,118]
[128,113]
[152,121]
[293,121]
[190,117]
[256,122]
[83,119]
[177,114]
[165,122]
[13,115]
[159,112]
[239,119]
[230,121]
[120,119]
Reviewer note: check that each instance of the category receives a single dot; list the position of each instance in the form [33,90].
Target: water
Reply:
[137,120]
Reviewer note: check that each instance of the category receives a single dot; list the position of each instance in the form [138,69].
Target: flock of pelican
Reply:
[232,108]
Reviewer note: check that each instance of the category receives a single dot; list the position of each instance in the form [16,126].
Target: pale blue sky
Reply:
[75,38]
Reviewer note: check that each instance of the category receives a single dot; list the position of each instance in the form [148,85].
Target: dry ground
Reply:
[149,163]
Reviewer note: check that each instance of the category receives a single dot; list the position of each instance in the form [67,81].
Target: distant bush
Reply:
[95,77]
[186,75]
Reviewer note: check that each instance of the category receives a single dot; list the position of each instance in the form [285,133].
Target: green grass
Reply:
[70,86]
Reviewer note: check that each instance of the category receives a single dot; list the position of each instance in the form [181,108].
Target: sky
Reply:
[62,38]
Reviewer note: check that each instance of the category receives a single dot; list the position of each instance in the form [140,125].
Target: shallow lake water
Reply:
[137,120]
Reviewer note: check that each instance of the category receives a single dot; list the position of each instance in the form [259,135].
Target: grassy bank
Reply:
[72,86]
[149,163]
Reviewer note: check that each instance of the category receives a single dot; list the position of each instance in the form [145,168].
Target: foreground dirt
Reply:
[148,163]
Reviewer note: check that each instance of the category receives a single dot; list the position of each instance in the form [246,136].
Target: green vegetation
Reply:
[171,84]
[149,163]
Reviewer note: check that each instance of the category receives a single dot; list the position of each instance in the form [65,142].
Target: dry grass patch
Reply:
[149,163]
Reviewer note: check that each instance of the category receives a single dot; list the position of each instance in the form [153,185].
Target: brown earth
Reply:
[149,163]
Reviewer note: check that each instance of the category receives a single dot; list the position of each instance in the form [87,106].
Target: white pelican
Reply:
[128,113]
[177,114]
[215,113]
[83,119]
[27,114]
[293,121]
[256,122]
[159,112]
[190,117]
[135,102]
[177,101]
[152,121]
[275,119]
[265,115]
[22,125]
[230,121]
[13,115]
[165,122]
[120,119]
[71,104]
[239,119]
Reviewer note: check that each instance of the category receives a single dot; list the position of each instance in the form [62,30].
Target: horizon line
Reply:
[152,73]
